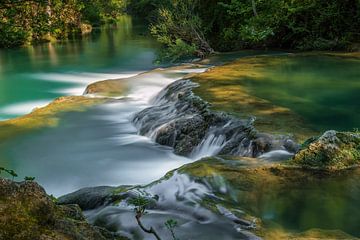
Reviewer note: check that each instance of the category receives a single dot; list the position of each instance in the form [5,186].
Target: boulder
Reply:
[27,212]
[183,121]
[332,150]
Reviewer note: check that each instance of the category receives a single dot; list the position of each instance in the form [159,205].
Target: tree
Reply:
[177,24]
[140,203]
[9,171]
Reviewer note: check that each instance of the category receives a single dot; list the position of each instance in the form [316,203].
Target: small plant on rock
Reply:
[29,179]
[171,224]
[9,171]
[140,204]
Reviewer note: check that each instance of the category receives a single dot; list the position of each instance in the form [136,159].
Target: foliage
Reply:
[140,204]
[53,198]
[97,12]
[9,171]
[33,21]
[23,22]
[237,24]
[171,224]
[310,24]
[177,51]
[178,27]
[30,179]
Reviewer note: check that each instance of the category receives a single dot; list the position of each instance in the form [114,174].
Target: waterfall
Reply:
[183,121]
[210,146]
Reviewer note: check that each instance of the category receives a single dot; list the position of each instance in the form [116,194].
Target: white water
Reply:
[100,146]
[79,81]
[210,146]
[179,198]
[277,155]
[23,107]
[76,83]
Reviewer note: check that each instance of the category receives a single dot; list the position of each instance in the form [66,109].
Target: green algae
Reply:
[225,89]
[28,213]
[333,150]
[301,94]
[47,116]
[286,200]
[109,88]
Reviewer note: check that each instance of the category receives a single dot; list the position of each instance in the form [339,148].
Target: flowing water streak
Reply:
[77,83]
[179,198]
[210,146]
[276,155]
[181,120]
[100,146]
[23,108]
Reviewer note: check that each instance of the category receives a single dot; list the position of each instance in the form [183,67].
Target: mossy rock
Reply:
[47,116]
[333,150]
[26,212]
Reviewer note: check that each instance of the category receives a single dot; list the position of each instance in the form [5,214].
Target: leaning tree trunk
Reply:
[254,8]
[204,47]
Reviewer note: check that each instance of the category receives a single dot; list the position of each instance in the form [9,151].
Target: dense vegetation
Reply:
[25,21]
[193,27]
[227,25]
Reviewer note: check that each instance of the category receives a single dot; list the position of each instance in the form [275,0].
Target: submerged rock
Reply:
[333,150]
[181,120]
[26,212]
[239,198]
[274,193]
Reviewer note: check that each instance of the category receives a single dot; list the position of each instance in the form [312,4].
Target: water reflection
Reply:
[324,90]
[114,49]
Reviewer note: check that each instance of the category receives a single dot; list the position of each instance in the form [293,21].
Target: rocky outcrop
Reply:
[26,212]
[89,198]
[333,150]
[181,120]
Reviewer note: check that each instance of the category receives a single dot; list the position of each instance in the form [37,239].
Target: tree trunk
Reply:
[150,231]
[254,7]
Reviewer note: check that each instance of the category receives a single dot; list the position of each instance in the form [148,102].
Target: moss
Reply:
[45,117]
[225,89]
[248,188]
[312,234]
[347,55]
[109,88]
[333,150]
[26,212]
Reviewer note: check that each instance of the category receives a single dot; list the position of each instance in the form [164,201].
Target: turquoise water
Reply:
[35,75]
[324,90]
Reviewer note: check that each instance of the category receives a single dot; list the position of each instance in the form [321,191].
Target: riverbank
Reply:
[222,195]
[27,212]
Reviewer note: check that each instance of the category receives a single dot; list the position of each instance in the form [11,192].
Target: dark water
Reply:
[35,75]
[329,204]
[324,90]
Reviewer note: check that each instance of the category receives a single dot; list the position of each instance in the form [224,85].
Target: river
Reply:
[33,76]
[101,146]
